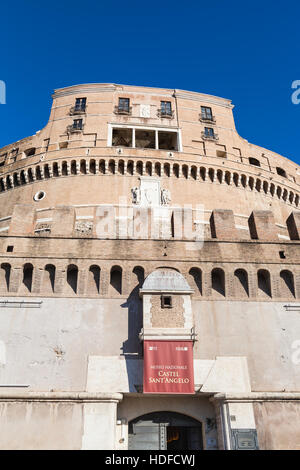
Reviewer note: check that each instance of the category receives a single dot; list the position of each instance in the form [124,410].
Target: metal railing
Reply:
[123,110]
[206,136]
[164,113]
[75,128]
[77,110]
[210,119]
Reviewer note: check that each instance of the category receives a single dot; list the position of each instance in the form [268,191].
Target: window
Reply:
[166,301]
[254,161]
[29,152]
[281,172]
[209,132]
[166,108]
[122,137]
[206,113]
[124,105]
[144,138]
[168,140]
[77,124]
[80,104]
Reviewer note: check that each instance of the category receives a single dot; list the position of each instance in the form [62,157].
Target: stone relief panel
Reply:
[83,228]
[150,194]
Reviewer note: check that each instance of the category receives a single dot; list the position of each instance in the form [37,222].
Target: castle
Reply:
[139,216]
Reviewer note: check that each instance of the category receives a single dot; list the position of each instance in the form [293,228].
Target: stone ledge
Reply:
[82,397]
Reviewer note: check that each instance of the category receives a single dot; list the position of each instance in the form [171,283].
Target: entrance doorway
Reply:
[165,431]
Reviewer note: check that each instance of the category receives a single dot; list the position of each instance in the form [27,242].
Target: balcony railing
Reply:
[127,110]
[74,128]
[164,113]
[210,119]
[77,110]
[206,136]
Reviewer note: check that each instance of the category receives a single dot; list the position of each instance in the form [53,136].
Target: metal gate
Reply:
[163,431]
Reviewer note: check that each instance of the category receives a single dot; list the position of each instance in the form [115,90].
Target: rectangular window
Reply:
[165,108]
[166,301]
[209,132]
[144,139]
[122,137]
[80,104]
[206,113]
[124,105]
[77,124]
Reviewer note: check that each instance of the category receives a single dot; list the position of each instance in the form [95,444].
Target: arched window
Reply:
[16,180]
[236,179]
[196,277]
[244,181]
[203,173]
[5,276]
[83,167]
[194,172]
[73,167]
[287,285]
[27,276]
[167,170]
[264,283]
[218,282]
[55,169]
[130,167]
[72,278]
[30,175]
[22,177]
[102,167]
[185,170]
[64,168]
[149,168]
[38,173]
[93,167]
[139,168]
[121,167]
[94,280]
[157,169]
[227,177]
[8,182]
[46,171]
[49,278]
[111,167]
[176,170]
[220,176]
[241,287]
[116,279]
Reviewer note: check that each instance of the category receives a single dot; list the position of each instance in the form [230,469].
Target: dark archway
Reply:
[165,431]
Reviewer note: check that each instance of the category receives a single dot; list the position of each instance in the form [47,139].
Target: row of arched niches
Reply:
[93,166]
[95,280]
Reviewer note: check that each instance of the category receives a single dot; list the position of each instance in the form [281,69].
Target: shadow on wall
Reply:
[135,316]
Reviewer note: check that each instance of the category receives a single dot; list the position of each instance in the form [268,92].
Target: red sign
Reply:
[168,367]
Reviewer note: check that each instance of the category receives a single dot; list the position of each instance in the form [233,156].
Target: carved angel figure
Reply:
[135,195]
[165,197]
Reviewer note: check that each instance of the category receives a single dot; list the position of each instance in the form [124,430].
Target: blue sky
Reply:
[245,51]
